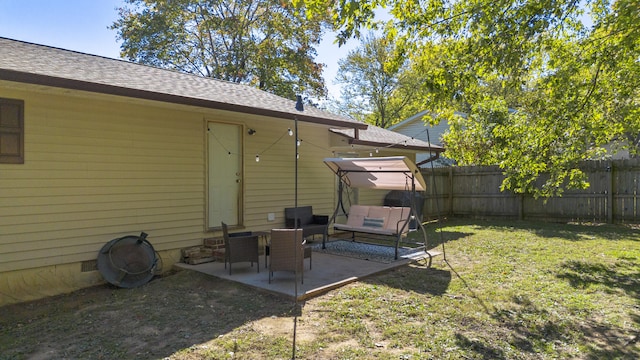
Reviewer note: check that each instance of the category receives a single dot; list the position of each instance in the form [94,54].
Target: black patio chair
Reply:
[240,249]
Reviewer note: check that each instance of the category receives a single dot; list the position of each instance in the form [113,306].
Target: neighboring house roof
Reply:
[375,136]
[43,65]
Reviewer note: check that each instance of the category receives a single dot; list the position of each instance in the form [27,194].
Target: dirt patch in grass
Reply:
[167,315]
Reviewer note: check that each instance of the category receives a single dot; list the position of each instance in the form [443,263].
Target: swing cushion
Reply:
[357,214]
[379,212]
[397,218]
[373,222]
[384,220]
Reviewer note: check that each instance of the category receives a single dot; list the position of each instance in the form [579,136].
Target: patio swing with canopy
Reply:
[384,173]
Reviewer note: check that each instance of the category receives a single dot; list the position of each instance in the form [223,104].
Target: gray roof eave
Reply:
[46,80]
[433,148]
[375,137]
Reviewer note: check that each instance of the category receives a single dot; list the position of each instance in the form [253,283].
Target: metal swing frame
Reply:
[361,176]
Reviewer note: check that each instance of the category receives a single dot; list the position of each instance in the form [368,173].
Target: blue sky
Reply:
[83,25]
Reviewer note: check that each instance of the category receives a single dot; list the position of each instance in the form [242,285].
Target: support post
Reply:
[610,191]
[450,191]
[335,212]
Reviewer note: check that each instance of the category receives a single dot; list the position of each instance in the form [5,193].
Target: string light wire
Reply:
[299,142]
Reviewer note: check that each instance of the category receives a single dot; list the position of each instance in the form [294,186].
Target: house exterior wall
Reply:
[95,169]
[416,128]
[98,167]
[270,183]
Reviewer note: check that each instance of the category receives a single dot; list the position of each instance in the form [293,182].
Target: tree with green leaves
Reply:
[545,83]
[374,88]
[262,43]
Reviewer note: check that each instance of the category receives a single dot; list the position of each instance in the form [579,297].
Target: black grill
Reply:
[403,198]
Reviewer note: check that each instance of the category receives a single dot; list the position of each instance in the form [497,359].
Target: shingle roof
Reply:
[377,136]
[44,65]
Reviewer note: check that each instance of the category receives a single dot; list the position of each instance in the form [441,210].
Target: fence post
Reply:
[520,206]
[450,190]
[610,182]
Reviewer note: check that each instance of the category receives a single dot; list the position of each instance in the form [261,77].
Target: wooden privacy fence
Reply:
[475,192]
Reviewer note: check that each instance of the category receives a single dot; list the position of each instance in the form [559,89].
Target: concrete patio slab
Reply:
[328,272]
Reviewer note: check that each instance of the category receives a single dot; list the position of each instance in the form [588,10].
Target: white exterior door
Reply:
[225,174]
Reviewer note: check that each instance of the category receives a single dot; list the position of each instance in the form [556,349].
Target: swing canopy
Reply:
[389,173]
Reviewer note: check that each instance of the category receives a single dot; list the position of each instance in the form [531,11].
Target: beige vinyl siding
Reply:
[270,183]
[11,131]
[99,167]
[95,170]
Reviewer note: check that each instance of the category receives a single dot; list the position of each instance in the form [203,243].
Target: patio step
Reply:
[200,254]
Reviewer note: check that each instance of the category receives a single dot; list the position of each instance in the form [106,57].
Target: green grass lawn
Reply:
[507,290]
